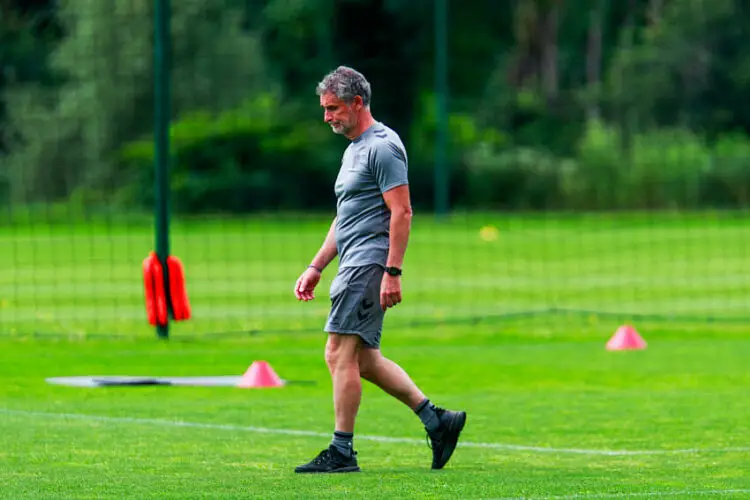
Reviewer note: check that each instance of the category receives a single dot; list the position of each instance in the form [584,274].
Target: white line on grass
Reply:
[379,439]
[645,494]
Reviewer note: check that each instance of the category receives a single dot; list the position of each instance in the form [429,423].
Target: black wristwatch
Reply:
[393,271]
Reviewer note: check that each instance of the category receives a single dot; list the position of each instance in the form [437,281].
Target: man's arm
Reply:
[399,204]
[328,250]
[305,286]
[389,167]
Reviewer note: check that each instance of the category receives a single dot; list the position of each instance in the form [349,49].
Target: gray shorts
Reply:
[355,304]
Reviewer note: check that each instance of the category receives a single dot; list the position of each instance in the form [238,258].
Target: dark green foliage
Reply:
[583,104]
[254,157]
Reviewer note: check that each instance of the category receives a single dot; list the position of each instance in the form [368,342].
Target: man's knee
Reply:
[342,349]
[368,361]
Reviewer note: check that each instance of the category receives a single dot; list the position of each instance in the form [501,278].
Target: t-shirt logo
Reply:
[358,163]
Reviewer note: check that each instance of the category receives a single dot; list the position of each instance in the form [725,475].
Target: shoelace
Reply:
[322,457]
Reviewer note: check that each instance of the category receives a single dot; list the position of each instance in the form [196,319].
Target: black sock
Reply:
[427,415]
[342,441]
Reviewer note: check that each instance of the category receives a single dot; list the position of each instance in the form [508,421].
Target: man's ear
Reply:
[358,103]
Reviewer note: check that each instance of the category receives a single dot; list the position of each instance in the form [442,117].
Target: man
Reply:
[369,234]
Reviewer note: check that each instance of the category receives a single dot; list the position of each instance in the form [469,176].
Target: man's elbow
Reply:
[402,213]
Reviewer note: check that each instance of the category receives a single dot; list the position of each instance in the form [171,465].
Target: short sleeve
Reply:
[389,166]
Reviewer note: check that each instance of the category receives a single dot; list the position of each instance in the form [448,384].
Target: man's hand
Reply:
[390,291]
[306,283]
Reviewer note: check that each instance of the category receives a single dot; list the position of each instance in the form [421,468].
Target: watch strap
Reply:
[393,271]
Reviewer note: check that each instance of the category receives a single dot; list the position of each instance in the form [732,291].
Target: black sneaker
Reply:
[331,460]
[443,440]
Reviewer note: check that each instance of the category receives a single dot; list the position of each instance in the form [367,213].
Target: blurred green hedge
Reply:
[262,157]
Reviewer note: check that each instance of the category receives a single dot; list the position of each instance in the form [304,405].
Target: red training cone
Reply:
[626,338]
[260,374]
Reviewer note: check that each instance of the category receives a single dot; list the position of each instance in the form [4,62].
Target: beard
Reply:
[342,128]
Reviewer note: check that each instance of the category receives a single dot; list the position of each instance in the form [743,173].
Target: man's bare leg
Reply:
[390,377]
[443,426]
[342,358]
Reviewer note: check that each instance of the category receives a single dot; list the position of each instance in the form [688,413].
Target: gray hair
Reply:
[346,83]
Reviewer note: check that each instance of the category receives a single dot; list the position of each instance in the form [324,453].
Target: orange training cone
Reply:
[260,374]
[626,337]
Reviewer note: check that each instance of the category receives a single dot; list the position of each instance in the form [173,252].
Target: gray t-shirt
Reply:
[373,163]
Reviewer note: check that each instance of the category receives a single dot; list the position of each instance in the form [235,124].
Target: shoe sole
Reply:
[456,425]
[341,469]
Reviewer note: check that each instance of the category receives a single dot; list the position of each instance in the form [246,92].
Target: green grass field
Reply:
[84,279]
[551,413]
